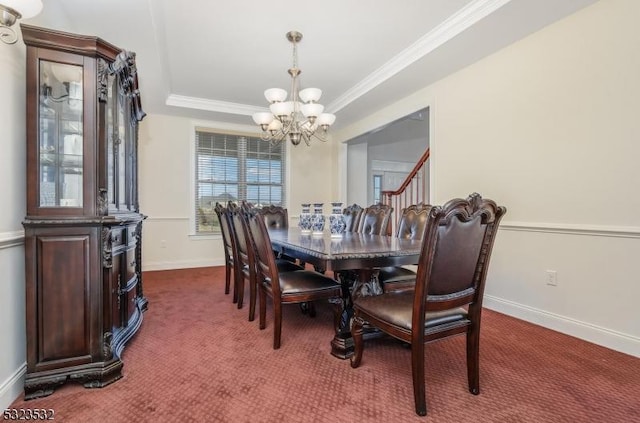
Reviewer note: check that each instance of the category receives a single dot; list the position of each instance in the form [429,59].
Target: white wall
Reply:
[548,127]
[12,192]
[12,212]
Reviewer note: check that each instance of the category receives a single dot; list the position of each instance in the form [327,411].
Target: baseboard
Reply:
[601,336]
[11,388]
[182,264]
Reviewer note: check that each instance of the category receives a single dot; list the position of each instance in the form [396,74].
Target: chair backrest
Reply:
[275,217]
[413,221]
[242,243]
[351,217]
[227,237]
[376,220]
[456,249]
[266,267]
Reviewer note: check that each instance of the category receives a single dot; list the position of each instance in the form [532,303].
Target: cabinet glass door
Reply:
[122,152]
[112,135]
[61,135]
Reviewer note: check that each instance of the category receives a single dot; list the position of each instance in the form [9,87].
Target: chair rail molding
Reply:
[11,239]
[573,229]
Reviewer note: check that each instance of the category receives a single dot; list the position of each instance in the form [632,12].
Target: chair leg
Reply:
[241,290]
[473,359]
[358,345]
[263,308]
[312,309]
[252,300]
[417,370]
[235,286]
[227,278]
[277,323]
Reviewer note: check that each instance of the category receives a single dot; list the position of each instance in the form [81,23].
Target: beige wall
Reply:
[166,189]
[548,127]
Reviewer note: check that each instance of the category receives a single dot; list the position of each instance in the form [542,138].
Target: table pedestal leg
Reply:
[363,282]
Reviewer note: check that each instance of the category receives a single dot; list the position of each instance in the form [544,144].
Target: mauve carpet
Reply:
[197,358]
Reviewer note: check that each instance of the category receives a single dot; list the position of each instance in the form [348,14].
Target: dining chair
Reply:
[241,215]
[244,251]
[292,287]
[411,226]
[241,252]
[275,216]
[227,242]
[375,220]
[351,215]
[447,299]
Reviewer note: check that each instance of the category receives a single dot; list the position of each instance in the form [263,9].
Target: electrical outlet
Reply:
[552,278]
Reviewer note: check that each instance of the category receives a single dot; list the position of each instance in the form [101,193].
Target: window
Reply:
[231,167]
[377,189]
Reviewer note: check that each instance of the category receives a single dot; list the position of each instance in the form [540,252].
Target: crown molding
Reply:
[448,29]
[212,105]
[454,25]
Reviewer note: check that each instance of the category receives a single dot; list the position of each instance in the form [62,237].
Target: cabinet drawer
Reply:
[117,237]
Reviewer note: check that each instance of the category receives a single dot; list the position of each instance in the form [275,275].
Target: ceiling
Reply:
[213,59]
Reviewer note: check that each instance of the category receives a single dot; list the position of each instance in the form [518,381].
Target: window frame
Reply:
[233,130]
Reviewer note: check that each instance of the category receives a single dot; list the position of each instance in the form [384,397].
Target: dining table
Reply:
[354,258]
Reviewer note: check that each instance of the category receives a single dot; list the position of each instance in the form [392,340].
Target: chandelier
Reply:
[12,10]
[300,117]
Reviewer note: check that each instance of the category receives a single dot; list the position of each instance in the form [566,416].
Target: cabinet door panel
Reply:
[117,285]
[63,324]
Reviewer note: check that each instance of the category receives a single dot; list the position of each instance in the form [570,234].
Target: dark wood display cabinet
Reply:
[83,227]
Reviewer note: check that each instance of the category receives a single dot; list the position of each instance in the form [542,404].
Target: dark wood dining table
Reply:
[353,258]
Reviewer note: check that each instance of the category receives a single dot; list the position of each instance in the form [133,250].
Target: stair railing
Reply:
[413,190]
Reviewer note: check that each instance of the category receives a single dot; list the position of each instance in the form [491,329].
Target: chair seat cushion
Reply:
[397,309]
[307,281]
[396,274]
[287,266]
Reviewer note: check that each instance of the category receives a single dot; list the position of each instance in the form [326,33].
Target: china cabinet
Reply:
[83,228]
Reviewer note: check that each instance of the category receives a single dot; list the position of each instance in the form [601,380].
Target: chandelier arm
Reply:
[320,136]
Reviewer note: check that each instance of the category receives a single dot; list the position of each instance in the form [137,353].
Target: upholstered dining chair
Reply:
[227,242]
[276,217]
[411,226]
[447,299]
[292,287]
[375,220]
[241,252]
[351,215]
[245,252]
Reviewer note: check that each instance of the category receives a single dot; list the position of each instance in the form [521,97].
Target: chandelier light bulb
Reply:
[326,119]
[311,110]
[310,95]
[275,95]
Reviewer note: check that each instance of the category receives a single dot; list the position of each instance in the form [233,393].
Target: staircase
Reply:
[414,190]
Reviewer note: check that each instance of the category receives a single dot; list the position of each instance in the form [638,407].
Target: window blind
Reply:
[232,167]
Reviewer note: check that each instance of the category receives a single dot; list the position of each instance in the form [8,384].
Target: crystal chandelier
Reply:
[299,118]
